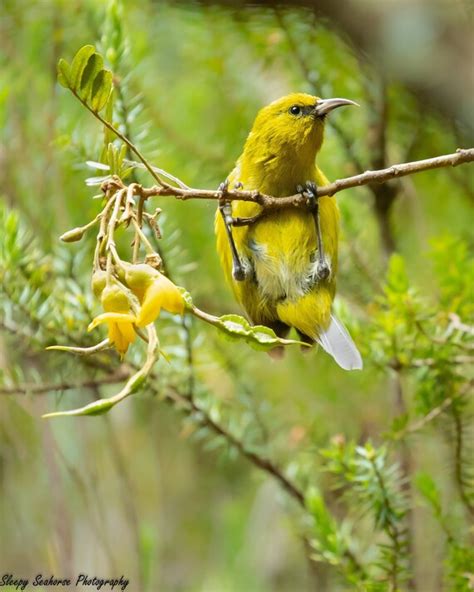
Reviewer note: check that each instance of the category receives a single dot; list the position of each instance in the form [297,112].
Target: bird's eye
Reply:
[295,110]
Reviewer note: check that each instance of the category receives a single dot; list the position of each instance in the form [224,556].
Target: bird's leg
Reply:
[238,270]
[323,269]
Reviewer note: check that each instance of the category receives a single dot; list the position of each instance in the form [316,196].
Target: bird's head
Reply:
[294,123]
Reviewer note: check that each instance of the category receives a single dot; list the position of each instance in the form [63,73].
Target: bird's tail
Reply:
[337,342]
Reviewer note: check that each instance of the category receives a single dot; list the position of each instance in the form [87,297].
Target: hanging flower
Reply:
[154,292]
[117,315]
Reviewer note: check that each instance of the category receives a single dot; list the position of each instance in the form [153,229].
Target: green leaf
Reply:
[328,541]
[64,73]
[94,408]
[94,65]
[79,64]
[427,487]
[110,157]
[397,279]
[109,135]
[236,327]
[101,89]
[188,301]
[257,336]
[234,324]
[133,384]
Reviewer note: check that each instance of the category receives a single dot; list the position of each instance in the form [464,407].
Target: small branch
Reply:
[119,135]
[295,48]
[429,417]
[459,461]
[391,529]
[397,364]
[436,411]
[261,462]
[39,389]
[406,465]
[384,195]
[461,156]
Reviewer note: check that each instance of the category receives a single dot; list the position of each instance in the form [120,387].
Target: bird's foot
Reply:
[225,206]
[239,272]
[319,270]
[310,192]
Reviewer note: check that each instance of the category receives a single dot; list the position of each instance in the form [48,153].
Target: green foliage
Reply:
[454,266]
[460,568]
[236,328]
[414,333]
[94,408]
[364,472]
[42,298]
[428,489]
[87,78]
[161,486]
[112,161]
[328,540]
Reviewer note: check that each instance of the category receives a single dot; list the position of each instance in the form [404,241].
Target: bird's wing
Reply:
[337,342]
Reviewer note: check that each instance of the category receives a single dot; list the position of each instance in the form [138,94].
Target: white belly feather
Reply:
[277,278]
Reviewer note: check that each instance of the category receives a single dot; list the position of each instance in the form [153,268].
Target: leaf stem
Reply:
[119,135]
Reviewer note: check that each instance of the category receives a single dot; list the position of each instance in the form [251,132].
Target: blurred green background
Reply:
[141,491]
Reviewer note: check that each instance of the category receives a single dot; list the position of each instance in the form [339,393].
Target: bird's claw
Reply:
[225,208]
[223,188]
[323,270]
[310,192]
[226,211]
[238,272]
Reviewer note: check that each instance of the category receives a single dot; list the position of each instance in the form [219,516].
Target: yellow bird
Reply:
[282,268]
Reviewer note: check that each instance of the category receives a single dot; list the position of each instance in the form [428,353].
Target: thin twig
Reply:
[406,466]
[461,156]
[39,389]
[306,71]
[429,417]
[384,195]
[261,462]
[391,528]
[119,135]
[459,460]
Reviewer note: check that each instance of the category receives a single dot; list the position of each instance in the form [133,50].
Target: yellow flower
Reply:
[118,318]
[161,293]
[154,292]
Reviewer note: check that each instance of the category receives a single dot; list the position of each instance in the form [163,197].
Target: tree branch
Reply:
[459,461]
[39,389]
[461,156]
[261,462]
[295,47]
[366,26]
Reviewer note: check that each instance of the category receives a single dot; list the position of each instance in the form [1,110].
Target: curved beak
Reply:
[325,106]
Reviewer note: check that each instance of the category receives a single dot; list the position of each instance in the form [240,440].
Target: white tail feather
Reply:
[337,342]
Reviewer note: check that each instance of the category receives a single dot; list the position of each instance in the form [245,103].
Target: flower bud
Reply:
[73,235]
[98,282]
[114,299]
[139,277]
